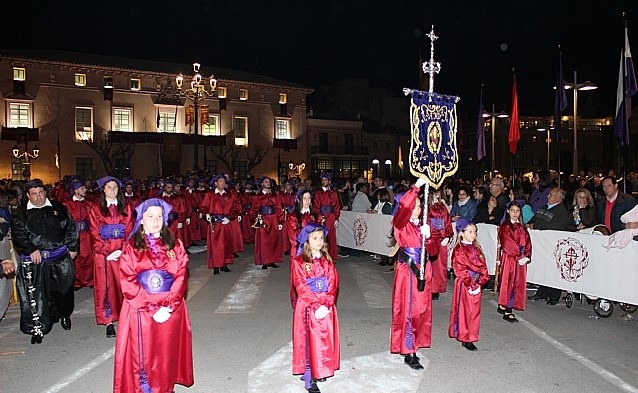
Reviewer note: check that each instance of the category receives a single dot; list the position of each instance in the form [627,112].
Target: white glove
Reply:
[238,218]
[114,255]
[179,225]
[200,215]
[420,182]
[445,241]
[474,291]
[207,217]
[280,227]
[188,221]
[321,312]
[336,223]
[225,220]
[425,231]
[523,261]
[162,314]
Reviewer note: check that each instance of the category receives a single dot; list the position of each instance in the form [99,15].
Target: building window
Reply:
[243,94]
[122,119]
[17,169]
[135,84]
[283,98]
[241,130]
[240,169]
[84,168]
[19,74]
[108,82]
[19,115]
[212,128]
[221,92]
[80,79]
[282,129]
[83,123]
[167,121]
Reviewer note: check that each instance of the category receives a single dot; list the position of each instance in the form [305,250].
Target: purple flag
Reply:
[480,137]
[626,89]
[560,100]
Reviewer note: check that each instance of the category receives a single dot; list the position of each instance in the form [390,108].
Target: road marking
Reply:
[604,373]
[375,289]
[81,372]
[379,372]
[196,281]
[244,295]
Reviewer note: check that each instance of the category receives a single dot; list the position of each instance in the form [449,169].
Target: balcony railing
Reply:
[339,150]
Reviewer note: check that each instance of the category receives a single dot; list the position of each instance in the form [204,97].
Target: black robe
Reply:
[45,228]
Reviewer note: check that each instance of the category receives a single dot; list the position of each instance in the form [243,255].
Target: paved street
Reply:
[241,339]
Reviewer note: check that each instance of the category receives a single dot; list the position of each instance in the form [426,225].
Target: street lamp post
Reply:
[576,86]
[26,154]
[196,92]
[494,115]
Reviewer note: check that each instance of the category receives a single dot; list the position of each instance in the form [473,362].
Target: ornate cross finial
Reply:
[432,67]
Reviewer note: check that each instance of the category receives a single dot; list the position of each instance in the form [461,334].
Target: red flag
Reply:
[515,131]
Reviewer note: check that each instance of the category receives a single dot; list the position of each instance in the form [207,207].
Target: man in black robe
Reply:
[45,237]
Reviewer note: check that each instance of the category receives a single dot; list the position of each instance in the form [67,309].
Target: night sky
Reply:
[319,42]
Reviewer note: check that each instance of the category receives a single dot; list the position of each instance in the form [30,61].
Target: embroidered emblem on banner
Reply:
[572,257]
[155,281]
[433,151]
[360,231]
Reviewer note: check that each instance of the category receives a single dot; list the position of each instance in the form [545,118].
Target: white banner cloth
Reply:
[367,232]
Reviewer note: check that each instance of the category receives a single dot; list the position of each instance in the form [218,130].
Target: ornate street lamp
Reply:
[196,92]
[299,167]
[26,154]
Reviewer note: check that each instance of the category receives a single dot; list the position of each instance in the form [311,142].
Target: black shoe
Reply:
[314,388]
[264,267]
[66,323]
[413,361]
[510,318]
[435,296]
[225,269]
[235,255]
[552,302]
[110,330]
[273,265]
[215,270]
[469,346]
[35,339]
[286,253]
[503,310]
[383,263]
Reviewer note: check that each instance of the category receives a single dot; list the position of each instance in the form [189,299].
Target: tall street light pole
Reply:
[197,92]
[494,115]
[575,86]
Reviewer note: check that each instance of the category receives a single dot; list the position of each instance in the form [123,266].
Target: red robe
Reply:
[411,309]
[470,269]
[219,245]
[247,231]
[441,227]
[83,263]
[267,240]
[132,201]
[293,229]
[194,230]
[168,352]
[237,241]
[106,274]
[178,214]
[199,195]
[328,200]
[515,244]
[317,340]
[288,204]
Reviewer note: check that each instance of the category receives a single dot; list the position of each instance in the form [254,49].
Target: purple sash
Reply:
[112,231]
[267,210]
[173,216]
[437,223]
[247,206]
[155,281]
[318,284]
[327,209]
[413,253]
[218,217]
[82,225]
[48,255]
[290,209]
